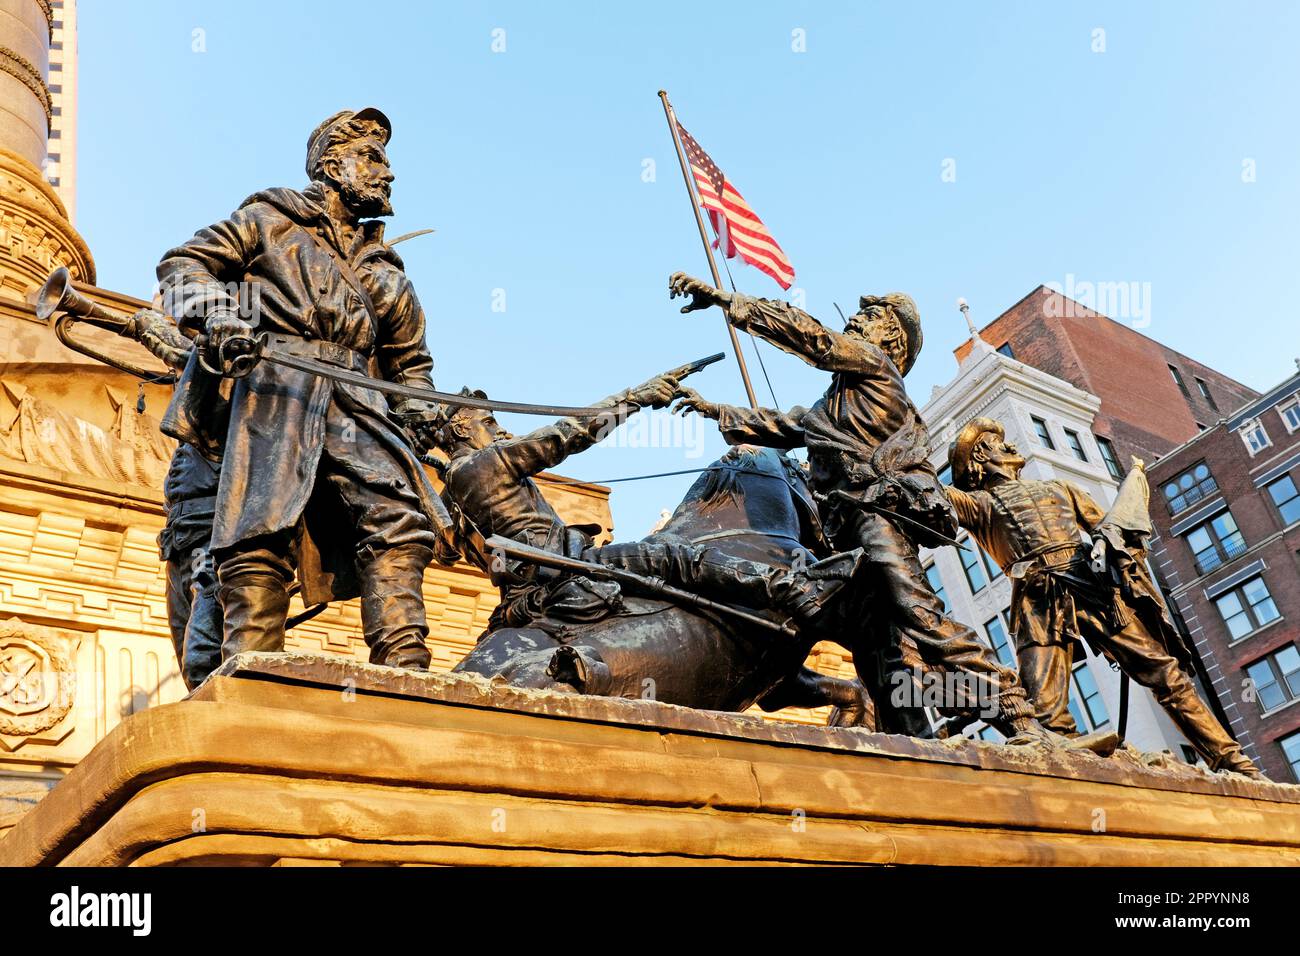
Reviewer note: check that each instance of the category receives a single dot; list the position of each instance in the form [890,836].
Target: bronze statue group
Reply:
[290,480]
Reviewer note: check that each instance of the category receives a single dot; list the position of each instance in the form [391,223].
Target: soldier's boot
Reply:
[805,593]
[404,649]
[203,633]
[1203,731]
[254,605]
[1017,723]
[392,607]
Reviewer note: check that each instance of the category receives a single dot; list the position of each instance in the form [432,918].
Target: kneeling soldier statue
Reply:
[1033,530]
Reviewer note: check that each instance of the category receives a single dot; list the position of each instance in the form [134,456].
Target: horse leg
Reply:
[853,706]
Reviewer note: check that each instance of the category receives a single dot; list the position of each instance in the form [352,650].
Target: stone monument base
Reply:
[320,760]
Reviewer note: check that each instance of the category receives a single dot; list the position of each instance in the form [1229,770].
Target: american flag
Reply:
[739,230]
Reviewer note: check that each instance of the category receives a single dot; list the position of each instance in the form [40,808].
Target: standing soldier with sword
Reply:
[301,424]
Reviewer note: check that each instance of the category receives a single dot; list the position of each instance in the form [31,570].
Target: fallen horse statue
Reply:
[752,505]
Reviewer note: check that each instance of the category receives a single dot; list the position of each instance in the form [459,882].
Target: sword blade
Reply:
[348,377]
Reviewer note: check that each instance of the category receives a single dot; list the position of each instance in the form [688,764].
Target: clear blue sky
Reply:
[1119,166]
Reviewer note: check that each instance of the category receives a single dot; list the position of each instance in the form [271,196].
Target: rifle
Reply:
[550,559]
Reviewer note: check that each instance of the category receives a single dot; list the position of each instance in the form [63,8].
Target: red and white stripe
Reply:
[739,230]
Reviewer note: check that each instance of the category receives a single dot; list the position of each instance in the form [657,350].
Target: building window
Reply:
[1189,487]
[1076,446]
[1247,608]
[1005,349]
[945,475]
[936,584]
[1255,435]
[990,565]
[1205,394]
[1216,542]
[1044,436]
[1178,380]
[990,734]
[999,641]
[1286,498]
[1276,678]
[1291,415]
[971,564]
[1086,705]
[1291,750]
[1109,457]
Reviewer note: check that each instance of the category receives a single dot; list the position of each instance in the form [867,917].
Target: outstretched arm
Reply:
[788,328]
[551,444]
[1086,511]
[769,427]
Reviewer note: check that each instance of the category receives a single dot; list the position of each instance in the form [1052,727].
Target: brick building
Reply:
[1152,398]
[1227,514]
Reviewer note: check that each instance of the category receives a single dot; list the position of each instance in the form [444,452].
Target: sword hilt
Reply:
[234,359]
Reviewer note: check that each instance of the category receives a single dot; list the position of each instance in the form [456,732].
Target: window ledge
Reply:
[1255,633]
[1281,707]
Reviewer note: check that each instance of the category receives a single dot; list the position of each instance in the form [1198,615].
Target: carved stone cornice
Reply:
[47,8]
[21,69]
[35,235]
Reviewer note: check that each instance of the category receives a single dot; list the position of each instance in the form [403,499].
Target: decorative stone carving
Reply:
[37,680]
[41,434]
[35,234]
[21,69]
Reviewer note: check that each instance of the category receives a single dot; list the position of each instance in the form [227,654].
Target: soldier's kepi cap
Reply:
[319,139]
[959,451]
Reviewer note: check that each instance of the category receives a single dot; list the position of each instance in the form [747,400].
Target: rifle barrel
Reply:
[524,552]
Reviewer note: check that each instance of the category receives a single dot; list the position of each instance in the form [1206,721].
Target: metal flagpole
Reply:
[704,238]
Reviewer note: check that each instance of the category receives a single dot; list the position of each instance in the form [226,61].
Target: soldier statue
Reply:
[490,491]
[867,449]
[193,609]
[1035,531]
[310,272]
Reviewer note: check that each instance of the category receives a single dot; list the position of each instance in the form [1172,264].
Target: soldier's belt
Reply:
[339,356]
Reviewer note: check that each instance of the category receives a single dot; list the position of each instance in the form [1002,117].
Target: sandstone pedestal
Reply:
[310,759]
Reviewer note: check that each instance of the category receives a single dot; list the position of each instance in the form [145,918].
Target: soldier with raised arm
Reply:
[868,453]
[490,491]
[1035,531]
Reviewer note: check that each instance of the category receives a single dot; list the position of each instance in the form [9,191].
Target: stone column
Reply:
[25,27]
[35,234]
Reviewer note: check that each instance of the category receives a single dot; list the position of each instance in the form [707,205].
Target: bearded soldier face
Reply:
[360,170]
[883,330]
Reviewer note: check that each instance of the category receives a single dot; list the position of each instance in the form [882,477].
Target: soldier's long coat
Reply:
[268,428]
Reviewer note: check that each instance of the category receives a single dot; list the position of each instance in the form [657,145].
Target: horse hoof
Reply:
[579,667]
